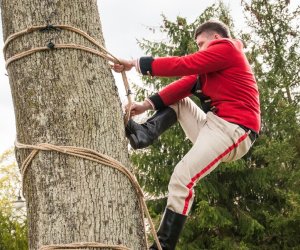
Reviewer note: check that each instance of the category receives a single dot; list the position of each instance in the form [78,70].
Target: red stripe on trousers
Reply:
[204,170]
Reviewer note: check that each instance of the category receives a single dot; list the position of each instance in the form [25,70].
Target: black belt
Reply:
[253,135]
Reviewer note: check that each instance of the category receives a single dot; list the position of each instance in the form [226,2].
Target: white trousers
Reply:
[214,141]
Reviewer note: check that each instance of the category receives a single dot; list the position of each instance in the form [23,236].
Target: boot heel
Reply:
[133,141]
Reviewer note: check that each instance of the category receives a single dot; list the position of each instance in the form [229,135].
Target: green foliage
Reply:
[13,233]
[253,203]
[9,177]
[13,225]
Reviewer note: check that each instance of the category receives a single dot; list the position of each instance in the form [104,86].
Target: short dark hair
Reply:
[213,26]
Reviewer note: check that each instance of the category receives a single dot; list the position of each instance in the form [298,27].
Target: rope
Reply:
[83,245]
[79,151]
[104,53]
[93,156]
[57,46]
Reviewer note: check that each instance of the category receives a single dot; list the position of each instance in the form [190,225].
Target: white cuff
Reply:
[137,65]
[151,103]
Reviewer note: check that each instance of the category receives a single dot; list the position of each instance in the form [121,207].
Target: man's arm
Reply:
[170,94]
[218,56]
[173,92]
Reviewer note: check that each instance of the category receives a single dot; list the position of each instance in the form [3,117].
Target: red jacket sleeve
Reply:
[174,92]
[216,57]
[178,90]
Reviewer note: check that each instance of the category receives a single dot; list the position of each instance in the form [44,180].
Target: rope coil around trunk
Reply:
[92,155]
[79,151]
[102,52]
[83,245]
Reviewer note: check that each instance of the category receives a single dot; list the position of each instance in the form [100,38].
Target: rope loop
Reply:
[102,52]
[79,245]
[92,155]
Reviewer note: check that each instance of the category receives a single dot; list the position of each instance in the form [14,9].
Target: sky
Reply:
[123,22]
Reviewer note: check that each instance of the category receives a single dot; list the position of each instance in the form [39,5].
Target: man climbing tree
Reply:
[222,131]
[67,97]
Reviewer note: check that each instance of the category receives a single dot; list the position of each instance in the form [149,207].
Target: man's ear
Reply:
[217,36]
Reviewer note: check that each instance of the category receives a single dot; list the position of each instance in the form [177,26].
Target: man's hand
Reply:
[138,108]
[123,65]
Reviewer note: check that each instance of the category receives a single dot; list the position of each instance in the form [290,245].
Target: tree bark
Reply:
[69,97]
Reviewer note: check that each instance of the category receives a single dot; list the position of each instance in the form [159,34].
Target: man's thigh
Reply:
[217,141]
[190,117]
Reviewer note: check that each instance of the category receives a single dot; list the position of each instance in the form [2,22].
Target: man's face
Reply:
[204,38]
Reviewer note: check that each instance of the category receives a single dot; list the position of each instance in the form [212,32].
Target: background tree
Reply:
[69,97]
[275,52]
[252,203]
[13,226]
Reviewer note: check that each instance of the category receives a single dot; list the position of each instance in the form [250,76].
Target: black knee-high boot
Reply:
[143,135]
[169,230]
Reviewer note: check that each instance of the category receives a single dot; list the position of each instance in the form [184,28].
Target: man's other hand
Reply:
[123,65]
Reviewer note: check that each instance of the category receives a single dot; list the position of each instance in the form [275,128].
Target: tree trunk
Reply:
[69,97]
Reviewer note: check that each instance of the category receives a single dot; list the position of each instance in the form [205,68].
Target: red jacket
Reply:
[226,78]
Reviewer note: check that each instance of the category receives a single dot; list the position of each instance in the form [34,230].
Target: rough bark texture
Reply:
[69,97]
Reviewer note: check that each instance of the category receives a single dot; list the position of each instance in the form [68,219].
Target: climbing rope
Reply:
[79,151]
[102,52]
